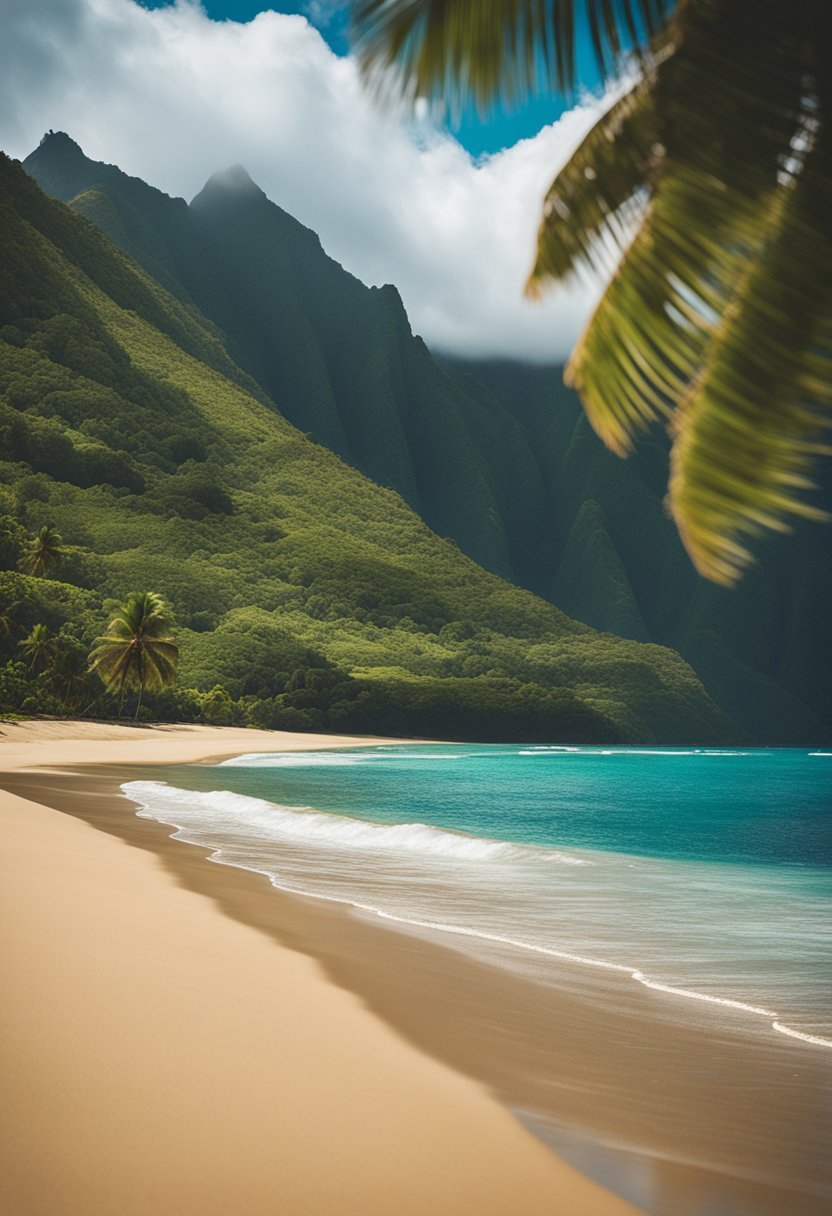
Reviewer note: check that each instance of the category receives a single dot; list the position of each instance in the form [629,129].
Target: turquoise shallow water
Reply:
[705,875]
[707,805]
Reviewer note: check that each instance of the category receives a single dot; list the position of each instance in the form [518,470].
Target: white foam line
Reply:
[272,821]
[629,751]
[459,931]
[584,960]
[322,759]
[634,973]
[799,1034]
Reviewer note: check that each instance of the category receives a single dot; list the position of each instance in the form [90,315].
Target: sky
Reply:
[499,129]
[173,91]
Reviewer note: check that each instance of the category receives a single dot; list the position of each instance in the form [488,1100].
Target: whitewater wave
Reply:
[666,751]
[324,759]
[290,760]
[547,747]
[255,819]
[201,817]
[627,751]
[363,756]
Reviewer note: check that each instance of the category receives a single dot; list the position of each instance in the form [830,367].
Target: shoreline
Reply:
[170,1056]
[563,1061]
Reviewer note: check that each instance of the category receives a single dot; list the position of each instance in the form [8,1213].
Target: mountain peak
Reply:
[60,167]
[59,141]
[229,185]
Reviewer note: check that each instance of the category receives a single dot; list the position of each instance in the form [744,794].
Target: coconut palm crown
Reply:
[40,647]
[42,552]
[137,651]
[703,196]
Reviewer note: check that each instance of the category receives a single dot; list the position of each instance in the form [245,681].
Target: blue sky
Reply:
[500,129]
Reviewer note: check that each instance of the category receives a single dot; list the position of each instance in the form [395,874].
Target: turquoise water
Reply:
[735,806]
[703,874]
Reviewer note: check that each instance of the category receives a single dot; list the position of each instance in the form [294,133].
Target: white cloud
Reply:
[171,96]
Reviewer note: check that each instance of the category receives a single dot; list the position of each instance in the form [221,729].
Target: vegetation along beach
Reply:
[415,602]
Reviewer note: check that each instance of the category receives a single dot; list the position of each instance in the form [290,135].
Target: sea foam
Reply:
[255,819]
[322,759]
[234,826]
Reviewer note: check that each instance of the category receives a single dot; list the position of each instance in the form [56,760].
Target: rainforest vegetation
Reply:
[500,457]
[301,594]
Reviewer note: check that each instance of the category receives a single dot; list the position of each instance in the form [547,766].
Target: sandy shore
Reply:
[54,744]
[159,1056]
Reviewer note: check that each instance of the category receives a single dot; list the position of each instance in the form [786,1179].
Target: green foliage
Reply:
[43,552]
[618,565]
[704,194]
[12,541]
[38,648]
[496,456]
[456,50]
[307,596]
[137,651]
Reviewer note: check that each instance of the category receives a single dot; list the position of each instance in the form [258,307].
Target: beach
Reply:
[164,1051]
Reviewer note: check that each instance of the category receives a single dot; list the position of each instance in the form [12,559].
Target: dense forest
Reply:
[498,457]
[304,594]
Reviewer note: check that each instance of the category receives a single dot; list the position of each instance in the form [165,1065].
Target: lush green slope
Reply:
[338,358]
[497,456]
[763,649]
[316,596]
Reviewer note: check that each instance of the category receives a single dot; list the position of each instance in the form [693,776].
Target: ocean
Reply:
[706,873]
[700,876]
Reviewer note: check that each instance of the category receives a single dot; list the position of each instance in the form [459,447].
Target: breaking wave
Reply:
[256,820]
[241,831]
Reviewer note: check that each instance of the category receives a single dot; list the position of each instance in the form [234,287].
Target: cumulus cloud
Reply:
[171,96]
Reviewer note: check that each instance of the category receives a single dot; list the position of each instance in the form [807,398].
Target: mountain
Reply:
[338,358]
[614,560]
[311,595]
[497,456]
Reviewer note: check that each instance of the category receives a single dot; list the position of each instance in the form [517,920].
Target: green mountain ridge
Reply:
[338,358]
[763,649]
[497,456]
[315,596]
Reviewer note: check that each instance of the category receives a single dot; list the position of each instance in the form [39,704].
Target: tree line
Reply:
[136,652]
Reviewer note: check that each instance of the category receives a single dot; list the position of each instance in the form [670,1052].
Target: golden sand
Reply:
[160,1057]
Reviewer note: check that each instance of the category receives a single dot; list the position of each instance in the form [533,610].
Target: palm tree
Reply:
[7,619]
[70,674]
[39,647]
[703,196]
[42,552]
[137,650]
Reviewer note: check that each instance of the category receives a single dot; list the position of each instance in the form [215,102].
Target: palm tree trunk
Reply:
[140,666]
[121,697]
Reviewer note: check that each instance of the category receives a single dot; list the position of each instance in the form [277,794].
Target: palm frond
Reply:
[111,659]
[747,432]
[586,218]
[650,330]
[487,50]
[708,184]
[137,651]
[42,552]
[160,657]
[683,320]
